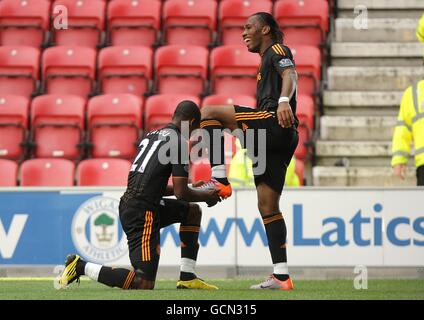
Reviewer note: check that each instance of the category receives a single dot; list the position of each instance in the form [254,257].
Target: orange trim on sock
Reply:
[189,229]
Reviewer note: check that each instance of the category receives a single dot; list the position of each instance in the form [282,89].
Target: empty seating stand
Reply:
[234,69]
[58,126]
[114,122]
[200,170]
[233,15]
[303,22]
[125,69]
[308,67]
[134,22]
[181,69]
[103,172]
[305,114]
[189,22]
[19,67]
[69,70]
[229,99]
[85,23]
[8,173]
[24,22]
[47,173]
[13,126]
[160,108]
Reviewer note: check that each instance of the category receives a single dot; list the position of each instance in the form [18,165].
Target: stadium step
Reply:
[370,103]
[377,30]
[357,128]
[381,8]
[377,54]
[360,176]
[372,78]
[358,153]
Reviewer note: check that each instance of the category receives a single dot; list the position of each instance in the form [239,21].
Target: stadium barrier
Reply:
[327,227]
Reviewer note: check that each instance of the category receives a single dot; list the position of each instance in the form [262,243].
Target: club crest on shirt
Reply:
[284,63]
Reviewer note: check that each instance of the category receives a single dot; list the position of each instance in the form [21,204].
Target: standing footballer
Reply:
[275,113]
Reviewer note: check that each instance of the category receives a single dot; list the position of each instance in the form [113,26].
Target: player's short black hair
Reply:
[187,110]
[268,20]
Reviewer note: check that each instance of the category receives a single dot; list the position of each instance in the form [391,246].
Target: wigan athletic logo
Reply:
[96,232]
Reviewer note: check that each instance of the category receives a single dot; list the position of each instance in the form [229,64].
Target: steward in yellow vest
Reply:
[410,127]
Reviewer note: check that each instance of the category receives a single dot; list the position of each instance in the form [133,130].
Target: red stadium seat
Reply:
[103,172]
[47,172]
[233,15]
[125,69]
[303,22]
[8,173]
[200,170]
[13,125]
[114,122]
[57,126]
[85,23]
[160,108]
[305,110]
[19,68]
[189,22]
[69,70]
[181,69]
[305,114]
[308,67]
[24,22]
[234,70]
[133,22]
[229,99]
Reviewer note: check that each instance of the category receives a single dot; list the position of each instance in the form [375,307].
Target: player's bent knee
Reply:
[140,283]
[267,208]
[194,214]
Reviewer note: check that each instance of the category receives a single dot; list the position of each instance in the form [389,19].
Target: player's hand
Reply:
[214,198]
[198,183]
[399,170]
[285,115]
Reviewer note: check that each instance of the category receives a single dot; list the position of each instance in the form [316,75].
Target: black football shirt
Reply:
[161,153]
[274,61]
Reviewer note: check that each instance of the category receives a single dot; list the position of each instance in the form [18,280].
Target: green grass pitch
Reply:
[43,288]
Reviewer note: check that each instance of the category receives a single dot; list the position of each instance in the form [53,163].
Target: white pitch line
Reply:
[34,279]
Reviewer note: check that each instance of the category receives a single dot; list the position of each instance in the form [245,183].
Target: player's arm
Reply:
[169,191]
[183,192]
[285,66]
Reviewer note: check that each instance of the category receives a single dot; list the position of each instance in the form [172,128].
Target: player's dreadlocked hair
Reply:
[268,20]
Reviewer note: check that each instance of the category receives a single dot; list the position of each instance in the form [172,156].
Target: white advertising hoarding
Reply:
[326,227]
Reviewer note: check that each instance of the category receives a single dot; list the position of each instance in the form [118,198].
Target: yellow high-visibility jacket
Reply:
[241,172]
[420,29]
[410,126]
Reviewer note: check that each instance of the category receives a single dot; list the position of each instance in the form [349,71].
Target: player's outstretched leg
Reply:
[112,277]
[189,235]
[214,120]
